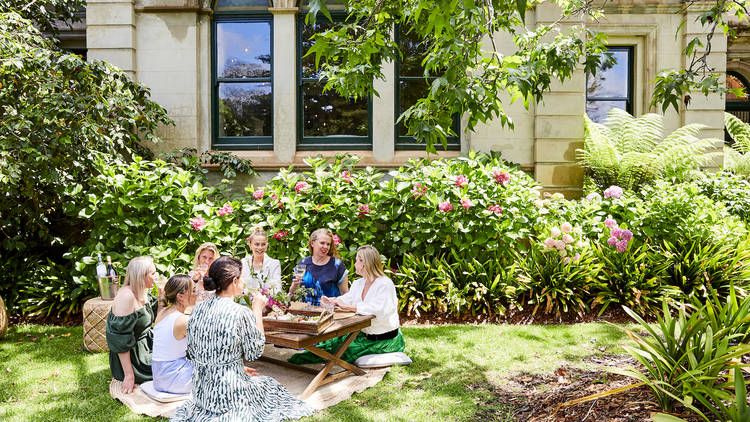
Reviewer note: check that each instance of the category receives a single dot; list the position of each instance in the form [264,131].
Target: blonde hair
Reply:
[208,245]
[332,250]
[135,276]
[373,266]
[257,231]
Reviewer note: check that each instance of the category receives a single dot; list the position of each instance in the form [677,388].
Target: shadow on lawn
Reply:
[53,378]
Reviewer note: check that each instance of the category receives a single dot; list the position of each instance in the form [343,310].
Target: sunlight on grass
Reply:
[46,375]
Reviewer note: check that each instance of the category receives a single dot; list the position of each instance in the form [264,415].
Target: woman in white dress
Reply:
[373,294]
[221,333]
[260,271]
[170,366]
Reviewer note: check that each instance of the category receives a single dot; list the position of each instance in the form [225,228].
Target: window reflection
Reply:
[612,86]
[243,49]
[245,109]
[329,114]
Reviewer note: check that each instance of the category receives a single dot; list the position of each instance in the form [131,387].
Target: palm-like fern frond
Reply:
[739,131]
[629,151]
[736,163]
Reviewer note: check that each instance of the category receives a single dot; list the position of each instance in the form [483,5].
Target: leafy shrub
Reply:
[421,283]
[731,190]
[629,151]
[487,288]
[680,354]
[737,157]
[478,204]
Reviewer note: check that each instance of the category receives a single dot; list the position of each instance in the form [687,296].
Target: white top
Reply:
[380,301]
[166,347]
[270,274]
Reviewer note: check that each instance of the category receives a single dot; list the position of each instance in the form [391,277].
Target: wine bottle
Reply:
[101,270]
[111,273]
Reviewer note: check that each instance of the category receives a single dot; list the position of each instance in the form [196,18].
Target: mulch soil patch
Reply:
[538,398]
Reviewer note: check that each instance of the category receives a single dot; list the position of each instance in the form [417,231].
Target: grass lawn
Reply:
[45,375]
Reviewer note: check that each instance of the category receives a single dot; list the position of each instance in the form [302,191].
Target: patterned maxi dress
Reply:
[220,333]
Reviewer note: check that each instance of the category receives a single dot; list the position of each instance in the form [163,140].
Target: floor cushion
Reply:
[148,388]
[383,359]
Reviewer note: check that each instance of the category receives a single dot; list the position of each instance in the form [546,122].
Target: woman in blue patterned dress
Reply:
[220,333]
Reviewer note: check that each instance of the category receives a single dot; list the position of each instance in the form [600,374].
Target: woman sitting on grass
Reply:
[325,274]
[260,271]
[171,369]
[129,334]
[374,294]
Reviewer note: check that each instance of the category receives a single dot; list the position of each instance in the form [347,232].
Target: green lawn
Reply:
[45,375]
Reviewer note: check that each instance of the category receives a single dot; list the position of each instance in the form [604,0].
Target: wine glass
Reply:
[299,271]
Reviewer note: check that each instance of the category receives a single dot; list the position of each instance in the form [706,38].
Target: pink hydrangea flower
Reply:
[549,242]
[615,232]
[300,186]
[622,245]
[346,175]
[225,210]
[626,235]
[197,223]
[418,190]
[566,261]
[566,227]
[593,196]
[336,239]
[461,181]
[279,235]
[363,210]
[466,203]
[613,192]
[612,241]
[258,194]
[555,232]
[501,177]
[497,209]
[278,201]
[445,206]
[577,256]
[560,245]
[610,223]
[567,238]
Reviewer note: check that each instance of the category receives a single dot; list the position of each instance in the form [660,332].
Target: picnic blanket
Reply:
[296,381]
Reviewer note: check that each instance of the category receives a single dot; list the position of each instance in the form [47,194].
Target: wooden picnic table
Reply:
[351,325]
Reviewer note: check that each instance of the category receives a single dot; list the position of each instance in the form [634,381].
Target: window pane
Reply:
[414,52]
[239,3]
[408,93]
[611,81]
[243,49]
[308,63]
[735,82]
[597,110]
[328,114]
[245,109]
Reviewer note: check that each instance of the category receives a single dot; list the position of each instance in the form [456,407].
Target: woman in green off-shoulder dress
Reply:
[220,334]
[129,334]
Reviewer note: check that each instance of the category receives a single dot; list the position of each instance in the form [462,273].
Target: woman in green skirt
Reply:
[373,294]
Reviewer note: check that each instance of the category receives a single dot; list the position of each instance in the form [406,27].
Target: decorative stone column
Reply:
[709,110]
[284,79]
[383,114]
[110,33]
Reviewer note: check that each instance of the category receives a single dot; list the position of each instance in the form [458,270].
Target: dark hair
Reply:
[222,273]
[175,285]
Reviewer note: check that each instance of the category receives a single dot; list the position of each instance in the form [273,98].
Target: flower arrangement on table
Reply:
[278,302]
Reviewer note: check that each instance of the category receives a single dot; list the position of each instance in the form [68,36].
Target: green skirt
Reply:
[360,346]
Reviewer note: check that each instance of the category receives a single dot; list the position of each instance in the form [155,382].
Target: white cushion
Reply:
[383,359]
[149,390]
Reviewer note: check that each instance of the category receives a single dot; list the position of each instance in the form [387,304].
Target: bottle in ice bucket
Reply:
[106,277]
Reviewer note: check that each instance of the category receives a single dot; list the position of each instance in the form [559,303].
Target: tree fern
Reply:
[737,157]
[630,151]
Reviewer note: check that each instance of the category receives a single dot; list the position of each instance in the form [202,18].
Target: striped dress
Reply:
[220,333]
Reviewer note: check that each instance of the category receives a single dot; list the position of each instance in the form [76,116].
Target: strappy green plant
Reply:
[629,151]
[737,157]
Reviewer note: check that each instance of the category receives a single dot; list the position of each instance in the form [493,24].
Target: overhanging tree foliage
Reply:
[470,75]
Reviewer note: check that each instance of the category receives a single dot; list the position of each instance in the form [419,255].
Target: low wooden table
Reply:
[340,327]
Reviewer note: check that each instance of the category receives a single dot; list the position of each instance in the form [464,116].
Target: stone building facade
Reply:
[181,50]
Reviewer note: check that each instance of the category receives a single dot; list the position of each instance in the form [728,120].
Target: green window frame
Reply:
[332,141]
[403,141]
[241,142]
[612,100]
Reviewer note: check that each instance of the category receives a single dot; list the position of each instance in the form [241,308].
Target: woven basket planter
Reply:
[95,313]
[3,318]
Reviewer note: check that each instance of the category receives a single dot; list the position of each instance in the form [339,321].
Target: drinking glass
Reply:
[299,271]
[328,305]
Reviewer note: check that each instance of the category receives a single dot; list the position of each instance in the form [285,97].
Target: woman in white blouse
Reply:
[260,270]
[373,294]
